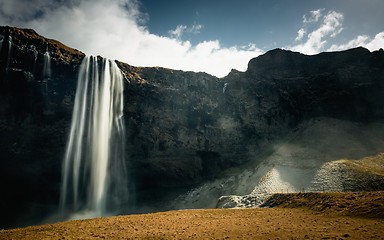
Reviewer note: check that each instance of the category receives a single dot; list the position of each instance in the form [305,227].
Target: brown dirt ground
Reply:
[295,216]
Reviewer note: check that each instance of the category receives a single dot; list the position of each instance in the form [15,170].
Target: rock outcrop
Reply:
[35,114]
[183,128]
[315,157]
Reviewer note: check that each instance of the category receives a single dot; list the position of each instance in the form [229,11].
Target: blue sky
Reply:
[267,23]
[200,35]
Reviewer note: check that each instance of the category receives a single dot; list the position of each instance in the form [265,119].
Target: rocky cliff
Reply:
[183,128]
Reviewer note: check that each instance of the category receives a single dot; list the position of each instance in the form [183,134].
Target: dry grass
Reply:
[371,165]
[354,204]
[299,216]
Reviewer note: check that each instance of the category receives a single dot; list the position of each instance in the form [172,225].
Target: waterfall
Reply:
[225,87]
[35,55]
[9,52]
[1,42]
[8,56]
[94,179]
[47,72]
[3,45]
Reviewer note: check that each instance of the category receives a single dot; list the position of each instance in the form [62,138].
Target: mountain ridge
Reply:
[183,128]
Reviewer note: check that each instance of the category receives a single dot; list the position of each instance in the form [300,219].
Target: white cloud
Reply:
[376,43]
[358,41]
[179,31]
[314,16]
[114,29]
[196,28]
[300,34]
[362,41]
[330,27]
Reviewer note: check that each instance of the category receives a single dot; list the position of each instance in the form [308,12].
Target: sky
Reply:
[212,36]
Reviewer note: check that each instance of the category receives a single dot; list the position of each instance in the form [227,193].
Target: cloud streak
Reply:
[314,16]
[372,44]
[180,30]
[300,34]
[331,25]
[316,40]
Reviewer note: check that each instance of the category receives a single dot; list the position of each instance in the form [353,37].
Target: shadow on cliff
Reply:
[298,162]
[190,136]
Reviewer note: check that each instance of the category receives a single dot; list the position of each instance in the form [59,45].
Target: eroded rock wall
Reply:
[183,128]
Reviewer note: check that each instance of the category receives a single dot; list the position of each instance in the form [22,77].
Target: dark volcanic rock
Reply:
[35,115]
[176,121]
[182,127]
[344,85]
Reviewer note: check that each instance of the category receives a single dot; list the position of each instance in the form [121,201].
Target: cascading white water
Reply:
[47,72]
[94,178]
[8,53]
[35,55]
[9,50]
[1,42]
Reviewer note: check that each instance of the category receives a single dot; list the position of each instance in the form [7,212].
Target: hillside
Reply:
[311,158]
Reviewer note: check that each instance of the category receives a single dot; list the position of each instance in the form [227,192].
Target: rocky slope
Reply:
[183,128]
[313,157]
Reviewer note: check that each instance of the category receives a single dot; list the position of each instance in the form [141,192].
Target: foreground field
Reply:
[294,216]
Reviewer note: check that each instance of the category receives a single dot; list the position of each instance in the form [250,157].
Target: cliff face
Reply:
[345,84]
[35,113]
[182,127]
